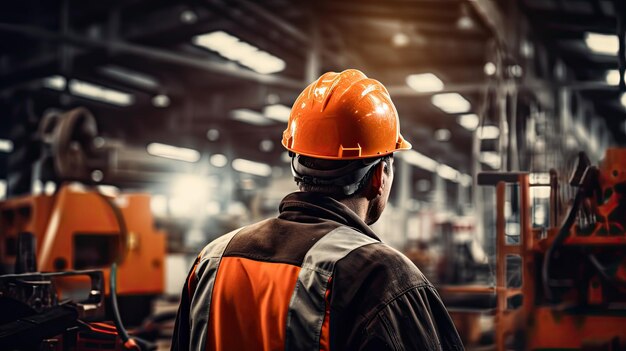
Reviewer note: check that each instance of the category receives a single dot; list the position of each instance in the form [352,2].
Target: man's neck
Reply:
[358,205]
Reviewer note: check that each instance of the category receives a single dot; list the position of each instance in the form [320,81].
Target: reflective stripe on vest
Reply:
[201,301]
[307,305]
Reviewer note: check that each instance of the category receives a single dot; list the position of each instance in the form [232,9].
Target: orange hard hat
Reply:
[344,116]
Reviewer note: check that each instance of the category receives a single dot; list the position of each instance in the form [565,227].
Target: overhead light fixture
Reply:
[6,145]
[451,103]
[606,44]
[622,99]
[424,82]
[490,68]
[55,82]
[241,52]
[469,121]
[465,179]
[213,134]
[417,159]
[612,77]
[447,172]
[173,152]
[277,112]
[161,101]
[400,39]
[442,134]
[218,160]
[488,132]
[491,159]
[130,76]
[251,167]
[266,145]
[100,93]
[250,116]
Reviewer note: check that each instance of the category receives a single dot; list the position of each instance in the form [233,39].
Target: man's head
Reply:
[342,132]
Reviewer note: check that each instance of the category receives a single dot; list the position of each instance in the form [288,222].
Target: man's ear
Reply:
[377,183]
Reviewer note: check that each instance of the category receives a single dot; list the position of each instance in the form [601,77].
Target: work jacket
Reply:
[315,278]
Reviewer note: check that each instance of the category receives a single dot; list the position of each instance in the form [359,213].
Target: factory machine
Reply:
[572,294]
[78,256]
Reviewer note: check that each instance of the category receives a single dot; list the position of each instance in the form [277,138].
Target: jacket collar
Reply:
[318,205]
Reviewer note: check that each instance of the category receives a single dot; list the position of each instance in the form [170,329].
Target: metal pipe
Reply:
[155,54]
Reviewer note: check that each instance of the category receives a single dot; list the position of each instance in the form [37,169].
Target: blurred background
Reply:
[153,127]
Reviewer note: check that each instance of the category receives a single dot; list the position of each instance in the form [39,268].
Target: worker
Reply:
[317,277]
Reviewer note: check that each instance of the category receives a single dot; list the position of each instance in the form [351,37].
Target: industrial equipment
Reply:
[76,230]
[572,294]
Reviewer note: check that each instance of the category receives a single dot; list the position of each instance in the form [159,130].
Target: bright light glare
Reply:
[622,100]
[540,192]
[424,83]
[491,159]
[277,112]
[490,68]
[488,132]
[606,44]
[612,77]
[173,152]
[250,117]
[469,121]
[465,179]
[218,160]
[251,167]
[451,103]
[6,145]
[188,194]
[416,159]
[3,189]
[447,172]
[55,82]
[100,93]
[158,205]
[241,52]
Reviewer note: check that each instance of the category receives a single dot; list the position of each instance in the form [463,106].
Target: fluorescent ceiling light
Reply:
[622,99]
[100,93]
[451,103]
[606,44]
[251,167]
[416,159]
[250,116]
[442,134]
[447,172]
[173,152]
[488,132]
[55,82]
[491,159]
[424,83]
[218,160]
[469,121]
[612,77]
[161,101]
[241,52]
[465,179]
[6,145]
[277,112]
[130,76]
[489,68]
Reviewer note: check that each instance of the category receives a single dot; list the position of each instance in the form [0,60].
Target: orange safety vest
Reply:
[238,303]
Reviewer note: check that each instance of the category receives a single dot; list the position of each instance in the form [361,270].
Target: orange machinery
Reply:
[77,229]
[573,291]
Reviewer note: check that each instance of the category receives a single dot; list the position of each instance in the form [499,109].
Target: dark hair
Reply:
[335,190]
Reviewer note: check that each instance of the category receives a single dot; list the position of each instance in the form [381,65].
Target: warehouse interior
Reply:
[133,133]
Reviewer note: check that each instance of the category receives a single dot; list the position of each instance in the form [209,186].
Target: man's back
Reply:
[316,277]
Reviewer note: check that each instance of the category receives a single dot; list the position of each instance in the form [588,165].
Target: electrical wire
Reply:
[567,224]
[129,342]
